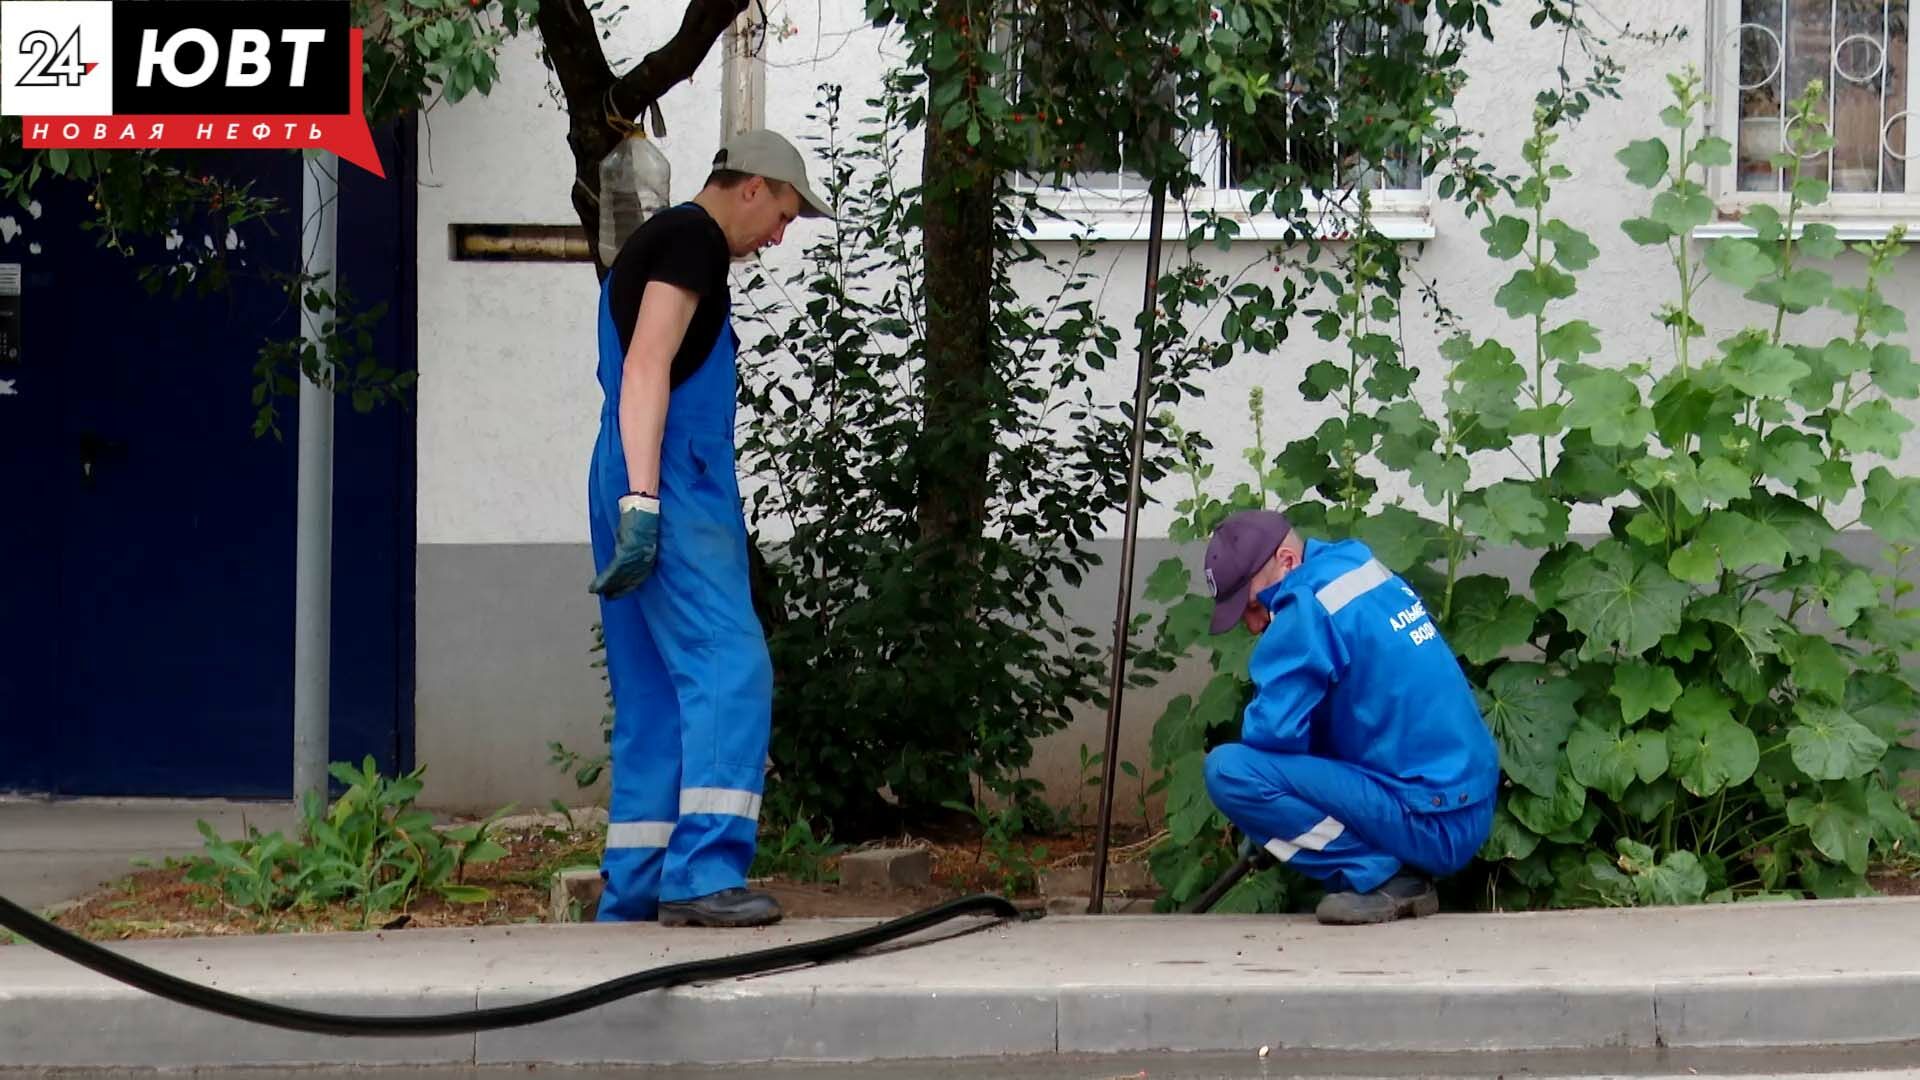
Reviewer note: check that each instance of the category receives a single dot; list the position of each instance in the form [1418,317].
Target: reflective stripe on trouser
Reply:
[1335,822]
[692,683]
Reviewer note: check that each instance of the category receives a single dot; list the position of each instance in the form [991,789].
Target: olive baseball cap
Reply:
[1241,545]
[769,155]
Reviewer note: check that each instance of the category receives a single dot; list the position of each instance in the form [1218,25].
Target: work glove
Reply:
[636,544]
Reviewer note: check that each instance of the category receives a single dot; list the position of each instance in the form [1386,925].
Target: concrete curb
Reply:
[722,1025]
[1104,985]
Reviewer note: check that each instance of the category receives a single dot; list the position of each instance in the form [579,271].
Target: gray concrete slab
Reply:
[53,850]
[1804,974]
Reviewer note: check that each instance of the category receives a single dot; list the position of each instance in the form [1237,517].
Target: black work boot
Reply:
[728,907]
[1404,896]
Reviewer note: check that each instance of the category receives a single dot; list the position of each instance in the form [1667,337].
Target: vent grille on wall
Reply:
[518,243]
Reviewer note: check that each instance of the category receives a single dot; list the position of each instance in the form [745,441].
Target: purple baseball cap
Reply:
[1241,545]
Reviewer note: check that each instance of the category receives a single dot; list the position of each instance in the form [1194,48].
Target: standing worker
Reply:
[1364,762]
[686,657]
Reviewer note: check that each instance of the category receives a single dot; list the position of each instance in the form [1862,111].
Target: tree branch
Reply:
[573,49]
[677,60]
[589,86]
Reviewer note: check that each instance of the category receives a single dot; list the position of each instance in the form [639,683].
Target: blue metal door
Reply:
[146,609]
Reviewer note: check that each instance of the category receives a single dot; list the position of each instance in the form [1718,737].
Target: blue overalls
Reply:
[692,682]
[1362,749]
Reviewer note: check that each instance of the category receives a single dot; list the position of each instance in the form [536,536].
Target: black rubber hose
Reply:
[1227,881]
[178,990]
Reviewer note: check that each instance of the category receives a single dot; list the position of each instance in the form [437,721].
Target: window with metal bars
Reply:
[1228,171]
[1769,51]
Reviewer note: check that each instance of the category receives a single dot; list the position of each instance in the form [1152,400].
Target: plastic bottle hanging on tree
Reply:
[635,181]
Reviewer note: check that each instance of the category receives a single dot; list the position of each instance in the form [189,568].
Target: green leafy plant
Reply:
[1716,691]
[795,853]
[370,849]
[1004,832]
[248,872]
[1706,701]
[342,359]
[587,768]
[900,663]
[1091,779]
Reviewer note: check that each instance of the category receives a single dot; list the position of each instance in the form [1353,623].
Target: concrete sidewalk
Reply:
[53,850]
[1804,974]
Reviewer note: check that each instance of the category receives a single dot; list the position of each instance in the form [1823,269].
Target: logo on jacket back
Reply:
[1414,616]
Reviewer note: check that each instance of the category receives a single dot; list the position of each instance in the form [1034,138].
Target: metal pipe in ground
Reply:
[1123,615]
[313,545]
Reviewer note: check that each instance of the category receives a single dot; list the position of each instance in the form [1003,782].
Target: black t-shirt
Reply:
[681,245]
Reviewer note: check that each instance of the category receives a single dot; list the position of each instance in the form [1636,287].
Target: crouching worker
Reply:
[1363,760]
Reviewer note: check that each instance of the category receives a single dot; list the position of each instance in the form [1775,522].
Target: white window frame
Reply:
[1855,215]
[1097,214]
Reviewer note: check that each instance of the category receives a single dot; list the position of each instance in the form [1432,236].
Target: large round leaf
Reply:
[1508,838]
[1892,507]
[1530,709]
[1646,161]
[1582,828]
[1839,823]
[1511,511]
[1758,368]
[1218,709]
[1679,879]
[1892,820]
[1170,581]
[1187,622]
[1188,807]
[1486,619]
[1846,592]
[1400,538]
[1710,753]
[1618,596]
[1486,383]
[1643,688]
[1648,801]
[1610,761]
[1818,666]
[1176,735]
[1886,705]
[1607,405]
[1830,745]
[1742,541]
[1549,814]
[1808,535]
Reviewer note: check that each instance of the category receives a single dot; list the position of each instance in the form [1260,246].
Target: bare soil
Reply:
[1897,881]
[160,903]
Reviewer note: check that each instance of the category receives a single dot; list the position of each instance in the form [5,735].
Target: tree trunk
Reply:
[959,204]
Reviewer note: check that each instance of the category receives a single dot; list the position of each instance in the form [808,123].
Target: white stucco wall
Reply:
[507,399]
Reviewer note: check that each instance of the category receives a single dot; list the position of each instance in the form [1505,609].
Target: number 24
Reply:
[55,63]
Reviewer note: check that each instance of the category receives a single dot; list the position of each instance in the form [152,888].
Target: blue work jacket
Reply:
[1353,669]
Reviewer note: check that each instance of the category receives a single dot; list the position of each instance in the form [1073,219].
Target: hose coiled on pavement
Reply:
[141,977]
